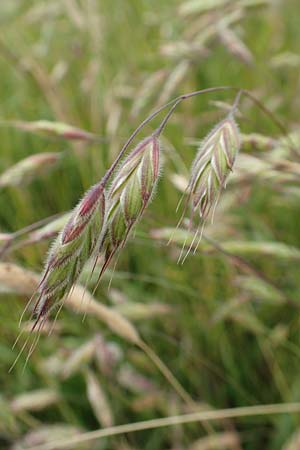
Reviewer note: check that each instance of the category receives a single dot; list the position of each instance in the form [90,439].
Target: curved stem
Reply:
[160,129]
[199,416]
[174,102]
[236,102]
[166,372]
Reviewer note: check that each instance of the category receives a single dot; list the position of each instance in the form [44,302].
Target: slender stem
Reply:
[160,129]
[236,102]
[175,101]
[200,416]
[167,373]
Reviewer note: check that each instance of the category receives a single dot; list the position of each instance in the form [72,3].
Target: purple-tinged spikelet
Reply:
[212,165]
[72,248]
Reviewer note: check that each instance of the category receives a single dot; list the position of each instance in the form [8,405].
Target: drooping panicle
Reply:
[130,192]
[211,167]
[74,245]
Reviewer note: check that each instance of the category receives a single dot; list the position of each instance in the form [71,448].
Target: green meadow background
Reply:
[226,323]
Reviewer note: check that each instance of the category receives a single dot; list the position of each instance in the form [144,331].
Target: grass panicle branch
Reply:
[245,411]
[104,218]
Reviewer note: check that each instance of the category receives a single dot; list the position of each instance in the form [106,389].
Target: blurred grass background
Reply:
[229,335]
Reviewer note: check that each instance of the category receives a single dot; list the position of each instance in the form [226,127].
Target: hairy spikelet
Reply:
[130,193]
[72,248]
[212,165]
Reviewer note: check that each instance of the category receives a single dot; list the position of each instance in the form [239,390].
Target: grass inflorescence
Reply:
[122,346]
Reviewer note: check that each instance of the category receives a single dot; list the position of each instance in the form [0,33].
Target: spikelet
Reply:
[212,165]
[130,193]
[71,249]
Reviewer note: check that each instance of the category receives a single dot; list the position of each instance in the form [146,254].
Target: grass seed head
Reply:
[72,248]
[212,165]
[131,191]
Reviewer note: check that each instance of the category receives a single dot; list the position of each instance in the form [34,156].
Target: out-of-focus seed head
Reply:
[212,165]
[72,248]
[54,129]
[29,168]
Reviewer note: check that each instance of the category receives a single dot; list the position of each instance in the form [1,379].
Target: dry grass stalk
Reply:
[246,411]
